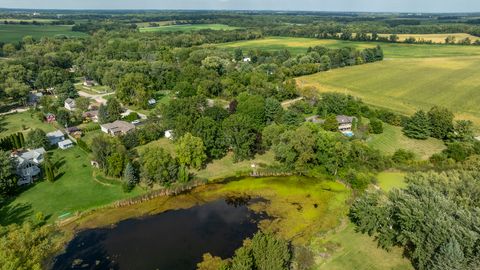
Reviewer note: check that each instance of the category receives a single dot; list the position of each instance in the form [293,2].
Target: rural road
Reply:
[98,98]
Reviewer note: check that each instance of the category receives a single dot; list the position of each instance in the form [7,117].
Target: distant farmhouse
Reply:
[91,115]
[70,104]
[28,163]
[117,128]
[89,82]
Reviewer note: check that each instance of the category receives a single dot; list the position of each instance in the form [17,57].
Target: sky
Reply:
[308,5]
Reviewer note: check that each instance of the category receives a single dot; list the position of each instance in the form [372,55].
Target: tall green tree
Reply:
[210,131]
[240,134]
[417,126]
[8,179]
[135,88]
[441,122]
[190,151]
[158,166]
[37,138]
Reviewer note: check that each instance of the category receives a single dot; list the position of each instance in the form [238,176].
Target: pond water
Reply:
[174,239]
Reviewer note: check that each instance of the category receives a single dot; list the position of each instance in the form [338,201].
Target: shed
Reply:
[65,144]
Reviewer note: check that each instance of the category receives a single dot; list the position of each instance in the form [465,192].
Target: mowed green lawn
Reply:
[390,180]
[391,50]
[187,28]
[74,190]
[22,122]
[406,85]
[15,32]
[393,139]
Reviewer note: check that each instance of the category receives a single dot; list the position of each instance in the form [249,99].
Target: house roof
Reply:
[343,119]
[92,113]
[30,155]
[119,126]
[65,142]
[70,101]
[55,134]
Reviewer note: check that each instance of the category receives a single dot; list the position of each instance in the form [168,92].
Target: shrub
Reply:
[375,126]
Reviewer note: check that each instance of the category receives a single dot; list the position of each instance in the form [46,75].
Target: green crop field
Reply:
[187,28]
[15,32]
[391,50]
[405,85]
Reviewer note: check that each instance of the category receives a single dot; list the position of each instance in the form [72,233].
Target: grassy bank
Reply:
[393,139]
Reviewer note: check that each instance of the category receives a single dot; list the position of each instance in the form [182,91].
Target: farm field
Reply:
[391,50]
[405,85]
[74,190]
[15,32]
[393,139]
[187,28]
[435,38]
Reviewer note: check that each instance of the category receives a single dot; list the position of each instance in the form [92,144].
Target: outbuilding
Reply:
[65,144]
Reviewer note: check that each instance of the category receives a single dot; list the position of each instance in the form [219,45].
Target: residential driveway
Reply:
[100,98]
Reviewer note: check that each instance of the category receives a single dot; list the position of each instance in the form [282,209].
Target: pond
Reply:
[175,239]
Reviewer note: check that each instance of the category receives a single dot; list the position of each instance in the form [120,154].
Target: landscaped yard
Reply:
[393,139]
[74,190]
[22,122]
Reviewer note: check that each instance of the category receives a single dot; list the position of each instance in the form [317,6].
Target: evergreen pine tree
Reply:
[417,126]
[130,177]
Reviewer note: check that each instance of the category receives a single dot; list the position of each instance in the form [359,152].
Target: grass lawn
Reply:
[349,250]
[390,180]
[393,139]
[217,169]
[405,85]
[15,32]
[22,122]
[391,50]
[187,28]
[75,189]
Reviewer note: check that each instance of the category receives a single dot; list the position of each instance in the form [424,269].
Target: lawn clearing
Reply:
[391,50]
[349,250]
[16,32]
[22,122]
[187,28]
[393,139]
[406,85]
[390,180]
[75,189]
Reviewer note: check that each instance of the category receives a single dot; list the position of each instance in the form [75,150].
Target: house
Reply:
[74,132]
[91,115]
[169,134]
[28,165]
[315,119]
[152,102]
[345,123]
[117,128]
[89,82]
[247,59]
[65,144]
[55,137]
[50,117]
[34,98]
[70,104]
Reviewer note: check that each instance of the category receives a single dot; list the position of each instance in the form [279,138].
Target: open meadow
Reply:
[187,28]
[15,32]
[391,50]
[435,38]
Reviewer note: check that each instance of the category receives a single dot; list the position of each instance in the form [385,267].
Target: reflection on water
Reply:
[171,240]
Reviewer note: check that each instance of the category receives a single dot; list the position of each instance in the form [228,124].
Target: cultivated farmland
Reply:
[15,32]
[405,85]
[187,28]
[391,50]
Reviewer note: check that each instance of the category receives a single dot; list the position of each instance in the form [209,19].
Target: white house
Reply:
[345,123]
[65,144]
[247,59]
[169,134]
[117,128]
[152,102]
[70,104]
[55,137]
[28,165]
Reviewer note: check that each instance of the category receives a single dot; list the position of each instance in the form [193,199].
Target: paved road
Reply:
[17,110]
